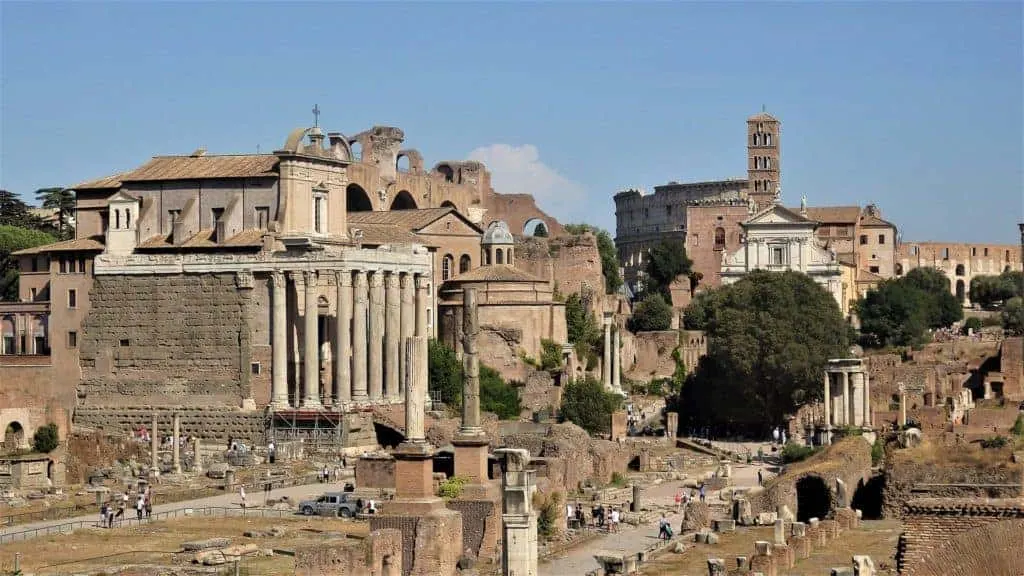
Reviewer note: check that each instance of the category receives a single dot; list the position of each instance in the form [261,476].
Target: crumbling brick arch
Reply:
[445,169]
[403,201]
[14,436]
[412,157]
[996,548]
[357,200]
[814,497]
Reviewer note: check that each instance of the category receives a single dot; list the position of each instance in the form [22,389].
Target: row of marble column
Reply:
[851,406]
[611,364]
[376,311]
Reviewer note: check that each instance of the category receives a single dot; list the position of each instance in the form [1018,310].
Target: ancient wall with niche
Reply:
[150,338]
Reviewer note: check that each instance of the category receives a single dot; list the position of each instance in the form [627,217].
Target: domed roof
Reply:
[497,233]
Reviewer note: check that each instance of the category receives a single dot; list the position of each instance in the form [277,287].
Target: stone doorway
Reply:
[813,499]
[868,497]
[14,437]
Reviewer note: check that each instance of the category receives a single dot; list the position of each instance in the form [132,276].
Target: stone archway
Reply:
[813,498]
[403,201]
[357,200]
[867,497]
[14,437]
[535,227]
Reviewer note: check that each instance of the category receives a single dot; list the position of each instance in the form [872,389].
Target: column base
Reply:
[311,404]
[471,455]
[414,473]
[280,404]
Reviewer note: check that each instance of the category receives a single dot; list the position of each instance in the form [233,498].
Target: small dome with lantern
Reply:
[497,245]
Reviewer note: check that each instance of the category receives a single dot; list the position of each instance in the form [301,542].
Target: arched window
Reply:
[899,269]
[464,264]
[487,257]
[127,218]
[719,238]
[117,219]
[446,267]
[768,139]
[499,256]
[959,269]
[8,334]
[767,163]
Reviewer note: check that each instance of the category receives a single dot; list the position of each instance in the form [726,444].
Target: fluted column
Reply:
[844,378]
[279,344]
[154,445]
[376,375]
[359,338]
[392,327]
[311,347]
[422,298]
[176,440]
[416,359]
[408,323]
[343,338]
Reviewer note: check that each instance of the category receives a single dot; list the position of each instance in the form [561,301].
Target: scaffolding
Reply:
[321,430]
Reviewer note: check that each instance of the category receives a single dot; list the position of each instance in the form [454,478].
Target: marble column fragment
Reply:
[415,397]
[828,407]
[471,363]
[359,376]
[844,378]
[176,447]
[376,340]
[279,344]
[392,328]
[311,348]
[343,339]
[617,368]
[154,445]
[408,321]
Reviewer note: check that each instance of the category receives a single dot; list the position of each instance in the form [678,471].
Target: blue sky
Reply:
[914,106]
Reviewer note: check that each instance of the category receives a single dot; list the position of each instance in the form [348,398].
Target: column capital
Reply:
[310,277]
[277,277]
[392,280]
[405,280]
[343,277]
[421,281]
[296,276]
[375,279]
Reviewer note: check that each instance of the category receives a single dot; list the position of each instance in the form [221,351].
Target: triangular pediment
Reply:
[120,197]
[777,214]
[452,223]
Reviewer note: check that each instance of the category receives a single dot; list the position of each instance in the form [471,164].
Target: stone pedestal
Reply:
[414,483]
[471,457]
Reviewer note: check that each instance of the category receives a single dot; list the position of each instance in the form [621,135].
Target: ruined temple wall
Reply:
[1011,361]
[184,336]
[572,262]
[516,210]
[212,424]
[653,355]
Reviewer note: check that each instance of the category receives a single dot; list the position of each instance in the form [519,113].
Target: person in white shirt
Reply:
[241,492]
[371,508]
[613,525]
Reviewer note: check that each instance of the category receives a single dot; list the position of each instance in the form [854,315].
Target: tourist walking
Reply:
[701,492]
[103,514]
[241,492]
[760,478]
[613,524]
[149,504]
[140,506]
[664,528]
[679,501]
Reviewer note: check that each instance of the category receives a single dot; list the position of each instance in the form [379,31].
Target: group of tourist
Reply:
[600,517]
[111,513]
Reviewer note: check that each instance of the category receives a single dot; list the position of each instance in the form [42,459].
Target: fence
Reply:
[128,521]
[63,512]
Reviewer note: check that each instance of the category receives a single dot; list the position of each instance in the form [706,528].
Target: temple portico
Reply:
[335,321]
[847,395]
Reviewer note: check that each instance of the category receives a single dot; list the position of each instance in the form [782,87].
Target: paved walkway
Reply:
[630,539]
[233,499]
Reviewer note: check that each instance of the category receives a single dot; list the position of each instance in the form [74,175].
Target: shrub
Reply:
[550,355]
[618,480]
[46,439]
[548,507]
[972,324]
[652,314]
[452,487]
[445,372]
[1018,426]
[877,451]
[586,403]
[793,452]
[498,396]
[995,442]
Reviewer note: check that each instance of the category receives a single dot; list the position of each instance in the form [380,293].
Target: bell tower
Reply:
[763,131]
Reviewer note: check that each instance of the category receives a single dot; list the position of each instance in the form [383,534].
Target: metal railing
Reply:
[62,512]
[128,521]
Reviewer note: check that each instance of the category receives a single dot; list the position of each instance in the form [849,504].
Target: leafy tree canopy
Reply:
[63,201]
[446,379]
[46,439]
[769,338]
[666,261]
[898,312]
[541,231]
[1013,316]
[942,307]
[498,396]
[609,255]
[12,239]
[586,404]
[651,314]
[991,290]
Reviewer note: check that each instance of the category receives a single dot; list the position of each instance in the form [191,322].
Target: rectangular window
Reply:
[974,251]
[72,339]
[35,264]
[881,238]
[986,251]
[778,255]
[319,214]
[33,296]
[72,298]
[63,266]
[172,215]
[263,217]
[256,368]
[863,239]
[124,343]
[81,265]
[873,269]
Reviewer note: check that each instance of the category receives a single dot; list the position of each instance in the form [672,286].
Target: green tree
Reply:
[541,231]
[14,212]
[893,314]
[769,338]
[445,371]
[942,307]
[60,199]
[46,439]
[666,261]
[586,404]
[1013,316]
[609,255]
[990,290]
[651,314]
[580,324]
[13,239]
[498,396]
[971,324]
[550,355]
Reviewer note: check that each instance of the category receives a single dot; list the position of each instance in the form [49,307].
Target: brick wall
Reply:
[375,472]
[1011,362]
[475,515]
[148,338]
[961,537]
[653,356]
[346,556]
[907,476]
[701,222]
[573,261]
[213,424]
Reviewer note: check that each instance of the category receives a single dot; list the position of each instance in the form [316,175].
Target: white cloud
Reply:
[519,170]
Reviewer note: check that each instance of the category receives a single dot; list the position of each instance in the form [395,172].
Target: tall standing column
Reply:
[857,400]
[408,323]
[422,299]
[176,444]
[867,399]
[828,408]
[606,361]
[154,445]
[359,338]
[376,375]
[617,368]
[279,344]
[471,364]
[903,405]
[414,397]
[311,352]
[343,339]
[844,378]
[393,309]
